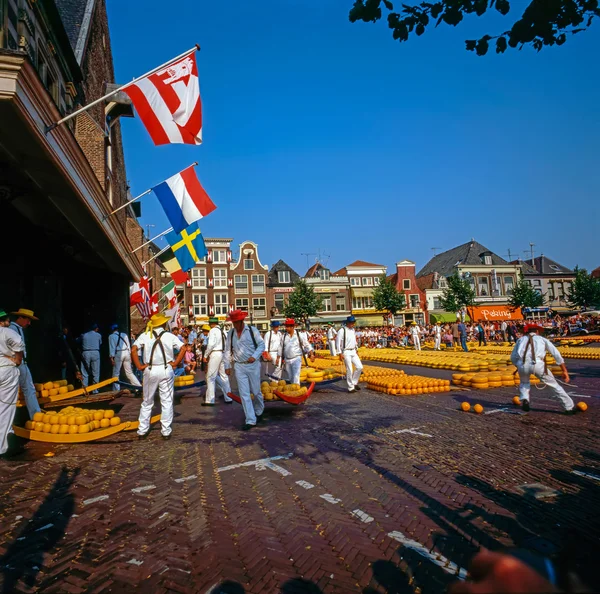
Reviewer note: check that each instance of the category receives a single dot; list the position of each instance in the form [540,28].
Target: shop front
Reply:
[63,257]
[494,313]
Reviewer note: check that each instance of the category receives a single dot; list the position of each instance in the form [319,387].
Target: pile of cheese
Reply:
[71,420]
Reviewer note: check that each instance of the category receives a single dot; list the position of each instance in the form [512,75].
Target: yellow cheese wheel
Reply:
[38,417]
[62,390]
[54,429]
[73,429]
[62,429]
[105,423]
[115,421]
[109,414]
[48,385]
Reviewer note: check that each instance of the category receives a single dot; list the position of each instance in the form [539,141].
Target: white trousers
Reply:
[163,379]
[269,367]
[92,361]
[417,343]
[332,350]
[123,359]
[438,342]
[9,392]
[248,381]
[28,389]
[525,371]
[292,369]
[216,376]
[351,359]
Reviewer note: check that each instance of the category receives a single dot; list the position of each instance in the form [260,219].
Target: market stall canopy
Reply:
[445,317]
[494,313]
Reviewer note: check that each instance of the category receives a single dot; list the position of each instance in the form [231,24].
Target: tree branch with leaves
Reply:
[458,295]
[584,291]
[386,297]
[524,295]
[303,303]
[543,22]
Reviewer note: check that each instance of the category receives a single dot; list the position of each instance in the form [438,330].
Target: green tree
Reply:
[303,303]
[387,297]
[524,295]
[458,294]
[584,291]
[543,22]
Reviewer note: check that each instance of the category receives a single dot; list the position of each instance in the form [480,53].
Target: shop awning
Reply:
[493,313]
[369,320]
[362,292]
[445,317]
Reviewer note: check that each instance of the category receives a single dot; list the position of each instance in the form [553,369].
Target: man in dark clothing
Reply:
[462,332]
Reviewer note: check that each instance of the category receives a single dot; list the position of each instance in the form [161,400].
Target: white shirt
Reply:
[215,341]
[272,341]
[415,331]
[350,341]
[11,343]
[522,351]
[437,331]
[243,346]
[169,341]
[293,346]
[331,334]
[91,341]
[18,330]
[118,342]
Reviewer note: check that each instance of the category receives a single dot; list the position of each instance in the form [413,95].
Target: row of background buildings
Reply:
[224,281]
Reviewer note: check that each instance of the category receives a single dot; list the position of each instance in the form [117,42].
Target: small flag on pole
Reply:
[168,102]
[183,199]
[139,292]
[168,287]
[188,246]
[174,269]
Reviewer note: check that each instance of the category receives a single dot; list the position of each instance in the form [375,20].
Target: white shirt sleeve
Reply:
[554,352]
[338,340]
[227,352]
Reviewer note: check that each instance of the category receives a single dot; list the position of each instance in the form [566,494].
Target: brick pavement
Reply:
[368,493]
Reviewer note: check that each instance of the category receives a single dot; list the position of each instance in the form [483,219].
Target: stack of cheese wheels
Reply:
[315,376]
[72,420]
[53,388]
[184,380]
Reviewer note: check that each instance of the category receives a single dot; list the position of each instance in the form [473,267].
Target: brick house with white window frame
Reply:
[208,290]
[249,290]
[280,284]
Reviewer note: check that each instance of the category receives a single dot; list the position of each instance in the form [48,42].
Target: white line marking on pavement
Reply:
[330,498]
[496,410]
[438,560]
[261,462]
[278,469]
[46,527]
[305,484]
[594,477]
[163,515]
[142,489]
[95,499]
[362,516]
[18,517]
[186,478]
[412,431]
[579,396]
[134,561]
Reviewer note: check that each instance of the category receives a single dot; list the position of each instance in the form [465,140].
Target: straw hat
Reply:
[24,313]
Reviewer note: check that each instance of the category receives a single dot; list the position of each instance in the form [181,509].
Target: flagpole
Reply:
[194,164]
[156,255]
[86,107]
[151,240]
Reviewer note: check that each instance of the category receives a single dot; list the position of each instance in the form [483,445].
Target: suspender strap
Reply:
[270,336]
[300,345]
[119,342]
[344,345]
[530,346]
[223,338]
[232,333]
[162,348]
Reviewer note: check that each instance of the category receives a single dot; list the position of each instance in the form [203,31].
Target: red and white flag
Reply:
[154,304]
[139,292]
[168,102]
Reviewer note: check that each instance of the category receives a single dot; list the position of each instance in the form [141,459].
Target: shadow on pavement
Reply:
[25,556]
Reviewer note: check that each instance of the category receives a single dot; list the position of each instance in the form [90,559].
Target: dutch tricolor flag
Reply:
[183,199]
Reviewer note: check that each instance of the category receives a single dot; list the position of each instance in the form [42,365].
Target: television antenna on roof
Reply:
[307,254]
[435,249]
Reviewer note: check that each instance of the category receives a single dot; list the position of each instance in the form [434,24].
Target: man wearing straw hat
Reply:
[158,367]
[12,347]
[215,370]
[23,320]
[271,364]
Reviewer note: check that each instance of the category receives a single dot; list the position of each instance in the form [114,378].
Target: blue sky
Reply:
[324,135]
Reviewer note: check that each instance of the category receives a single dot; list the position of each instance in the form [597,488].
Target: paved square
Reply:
[348,493]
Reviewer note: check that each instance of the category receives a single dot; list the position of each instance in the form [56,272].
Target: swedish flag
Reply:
[188,246]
